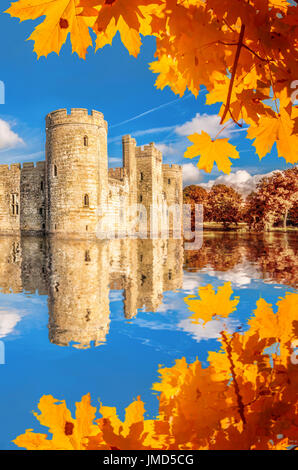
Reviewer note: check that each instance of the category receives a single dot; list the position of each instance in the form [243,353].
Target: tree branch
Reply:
[240,44]
[246,47]
[236,385]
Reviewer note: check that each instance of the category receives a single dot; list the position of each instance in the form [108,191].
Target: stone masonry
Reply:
[74,193]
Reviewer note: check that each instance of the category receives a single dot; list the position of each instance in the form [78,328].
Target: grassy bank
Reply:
[242,227]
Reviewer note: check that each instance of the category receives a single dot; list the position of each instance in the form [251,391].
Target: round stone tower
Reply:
[76,171]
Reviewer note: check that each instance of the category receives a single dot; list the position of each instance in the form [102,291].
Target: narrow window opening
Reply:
[169,181]
[86,200]
[86,143]
[142,176]
[14,204]
[55,170]
[86,228]
[87,256]
[41,185]
[41,210]
[141,198]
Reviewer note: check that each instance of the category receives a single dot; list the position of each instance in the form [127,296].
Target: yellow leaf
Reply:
[34,441]
[62,17]
[130,37]
[211,151]
[169,75]
[210,304]
[275,129]
[107,36]
[68,433]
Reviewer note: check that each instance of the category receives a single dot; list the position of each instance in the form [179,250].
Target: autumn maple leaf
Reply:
[117,15]
[129,11]
[210,304]
[275,129]
[217,151]
[62,17]
[68,433]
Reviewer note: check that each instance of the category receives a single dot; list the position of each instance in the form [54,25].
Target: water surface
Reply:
[100,317]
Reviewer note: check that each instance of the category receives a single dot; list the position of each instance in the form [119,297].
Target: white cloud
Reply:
[209,123]
[191,174]
[8,138]
[115,160]
[241,180]
[240,276]
[191,282]
[8,322]
[211,330]
[166,149]
[116,295]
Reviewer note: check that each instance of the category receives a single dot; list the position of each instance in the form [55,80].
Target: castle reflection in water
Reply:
[77,277]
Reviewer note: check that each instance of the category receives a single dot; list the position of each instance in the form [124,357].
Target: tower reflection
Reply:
[79,275]
[82,273]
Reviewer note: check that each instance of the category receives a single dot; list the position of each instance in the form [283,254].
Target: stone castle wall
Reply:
[22,197]
[74,193]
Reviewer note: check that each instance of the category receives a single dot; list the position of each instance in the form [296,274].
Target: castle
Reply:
[74,193]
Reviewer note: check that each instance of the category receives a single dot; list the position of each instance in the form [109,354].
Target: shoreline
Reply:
[243,228]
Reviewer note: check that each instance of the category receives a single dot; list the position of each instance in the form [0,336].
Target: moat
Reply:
[101,316]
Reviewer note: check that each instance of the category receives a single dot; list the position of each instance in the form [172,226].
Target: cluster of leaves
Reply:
[244,54]
[275,198]
[245,399]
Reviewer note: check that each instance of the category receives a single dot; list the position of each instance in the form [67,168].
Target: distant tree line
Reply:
[273,203]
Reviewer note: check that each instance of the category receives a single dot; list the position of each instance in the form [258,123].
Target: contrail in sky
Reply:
[150,111]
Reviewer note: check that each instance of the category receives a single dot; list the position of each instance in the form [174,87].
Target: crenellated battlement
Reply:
[148,151]
[171,167]
[76,116]
[128,139]
[22,166]
[117,173]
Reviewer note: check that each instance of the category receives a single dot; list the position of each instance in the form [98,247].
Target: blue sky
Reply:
[113,82]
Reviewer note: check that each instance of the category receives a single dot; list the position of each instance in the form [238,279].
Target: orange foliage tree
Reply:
[245,54]
[245,399]
[276,196]
[195,195]
[224,205]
